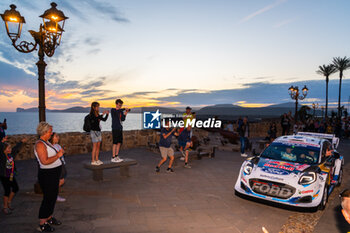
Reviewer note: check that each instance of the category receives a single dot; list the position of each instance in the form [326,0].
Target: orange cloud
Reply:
[251,105]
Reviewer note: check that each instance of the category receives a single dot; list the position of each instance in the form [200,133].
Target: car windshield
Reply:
[292,153]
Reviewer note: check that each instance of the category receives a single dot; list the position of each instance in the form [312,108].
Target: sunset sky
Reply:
[180,52]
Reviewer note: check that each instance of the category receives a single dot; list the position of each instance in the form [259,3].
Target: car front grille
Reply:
[271,188]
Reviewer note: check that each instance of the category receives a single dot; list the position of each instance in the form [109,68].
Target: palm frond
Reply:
[341,64]
[326,70]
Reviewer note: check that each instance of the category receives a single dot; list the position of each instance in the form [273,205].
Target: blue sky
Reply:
[178,53]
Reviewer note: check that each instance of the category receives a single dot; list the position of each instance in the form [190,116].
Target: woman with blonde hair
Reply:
[49,174]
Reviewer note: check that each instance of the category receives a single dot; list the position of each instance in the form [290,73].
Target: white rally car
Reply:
[298,170]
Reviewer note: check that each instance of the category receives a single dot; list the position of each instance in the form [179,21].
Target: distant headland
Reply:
[221,110]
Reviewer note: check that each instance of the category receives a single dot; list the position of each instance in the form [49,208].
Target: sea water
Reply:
[26,122]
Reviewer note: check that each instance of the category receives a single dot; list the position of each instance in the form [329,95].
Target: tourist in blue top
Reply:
[185,143]
[118,116]
[166,135]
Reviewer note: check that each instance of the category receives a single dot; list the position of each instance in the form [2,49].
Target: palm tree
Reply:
[341,64]
[326,70]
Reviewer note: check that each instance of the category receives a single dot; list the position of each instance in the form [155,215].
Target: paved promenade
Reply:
[199,200]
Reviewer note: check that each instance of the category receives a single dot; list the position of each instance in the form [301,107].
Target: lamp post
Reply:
[314,106]
[296,95]
[46,40]
[322,108]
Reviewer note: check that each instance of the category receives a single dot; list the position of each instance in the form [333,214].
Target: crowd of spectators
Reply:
[325,125]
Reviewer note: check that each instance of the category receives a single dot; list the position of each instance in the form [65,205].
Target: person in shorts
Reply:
[185,143]
[118,116]
[166,151]
[95,133]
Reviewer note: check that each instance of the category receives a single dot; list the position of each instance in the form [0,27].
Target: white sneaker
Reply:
[99,162]
[118,160]
[61,199]
[244,155]
[94,163]
[114,160]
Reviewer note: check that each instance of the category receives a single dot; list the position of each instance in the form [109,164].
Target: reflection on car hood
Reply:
[280,167]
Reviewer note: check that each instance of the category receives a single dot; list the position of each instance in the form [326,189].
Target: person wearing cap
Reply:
[345,204]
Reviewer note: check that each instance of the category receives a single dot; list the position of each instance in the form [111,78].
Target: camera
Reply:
[123,109]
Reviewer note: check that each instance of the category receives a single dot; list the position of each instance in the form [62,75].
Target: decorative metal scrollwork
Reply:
[25,47]
[50,44]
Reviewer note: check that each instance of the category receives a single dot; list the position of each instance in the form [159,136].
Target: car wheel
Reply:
[324,200]
[340,177]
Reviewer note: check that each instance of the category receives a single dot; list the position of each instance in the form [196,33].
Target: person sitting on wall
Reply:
[187,117]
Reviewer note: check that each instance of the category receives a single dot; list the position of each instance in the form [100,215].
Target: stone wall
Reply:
[260,129]
[80,143]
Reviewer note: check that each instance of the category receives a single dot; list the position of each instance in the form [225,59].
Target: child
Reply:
[118,116]
[184,140]
[166,135]
[55,138]
[8,172]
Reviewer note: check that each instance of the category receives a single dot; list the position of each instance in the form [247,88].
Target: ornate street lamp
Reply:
[46,40]
[323,108]
[296,95]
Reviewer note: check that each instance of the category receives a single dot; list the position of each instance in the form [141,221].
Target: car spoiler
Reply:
[331,137]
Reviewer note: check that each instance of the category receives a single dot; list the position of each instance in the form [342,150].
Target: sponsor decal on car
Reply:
[294,142]
[302,167]
[275,171]
[279,166]
[316,195]
[271,177]
[271,190]
[306,191]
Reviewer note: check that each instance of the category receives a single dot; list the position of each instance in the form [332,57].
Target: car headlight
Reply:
[248,168]
[307,178]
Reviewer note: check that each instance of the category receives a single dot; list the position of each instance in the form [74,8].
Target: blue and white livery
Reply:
[298,170]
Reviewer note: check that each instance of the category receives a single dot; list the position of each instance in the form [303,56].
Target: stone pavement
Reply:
[199,200]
